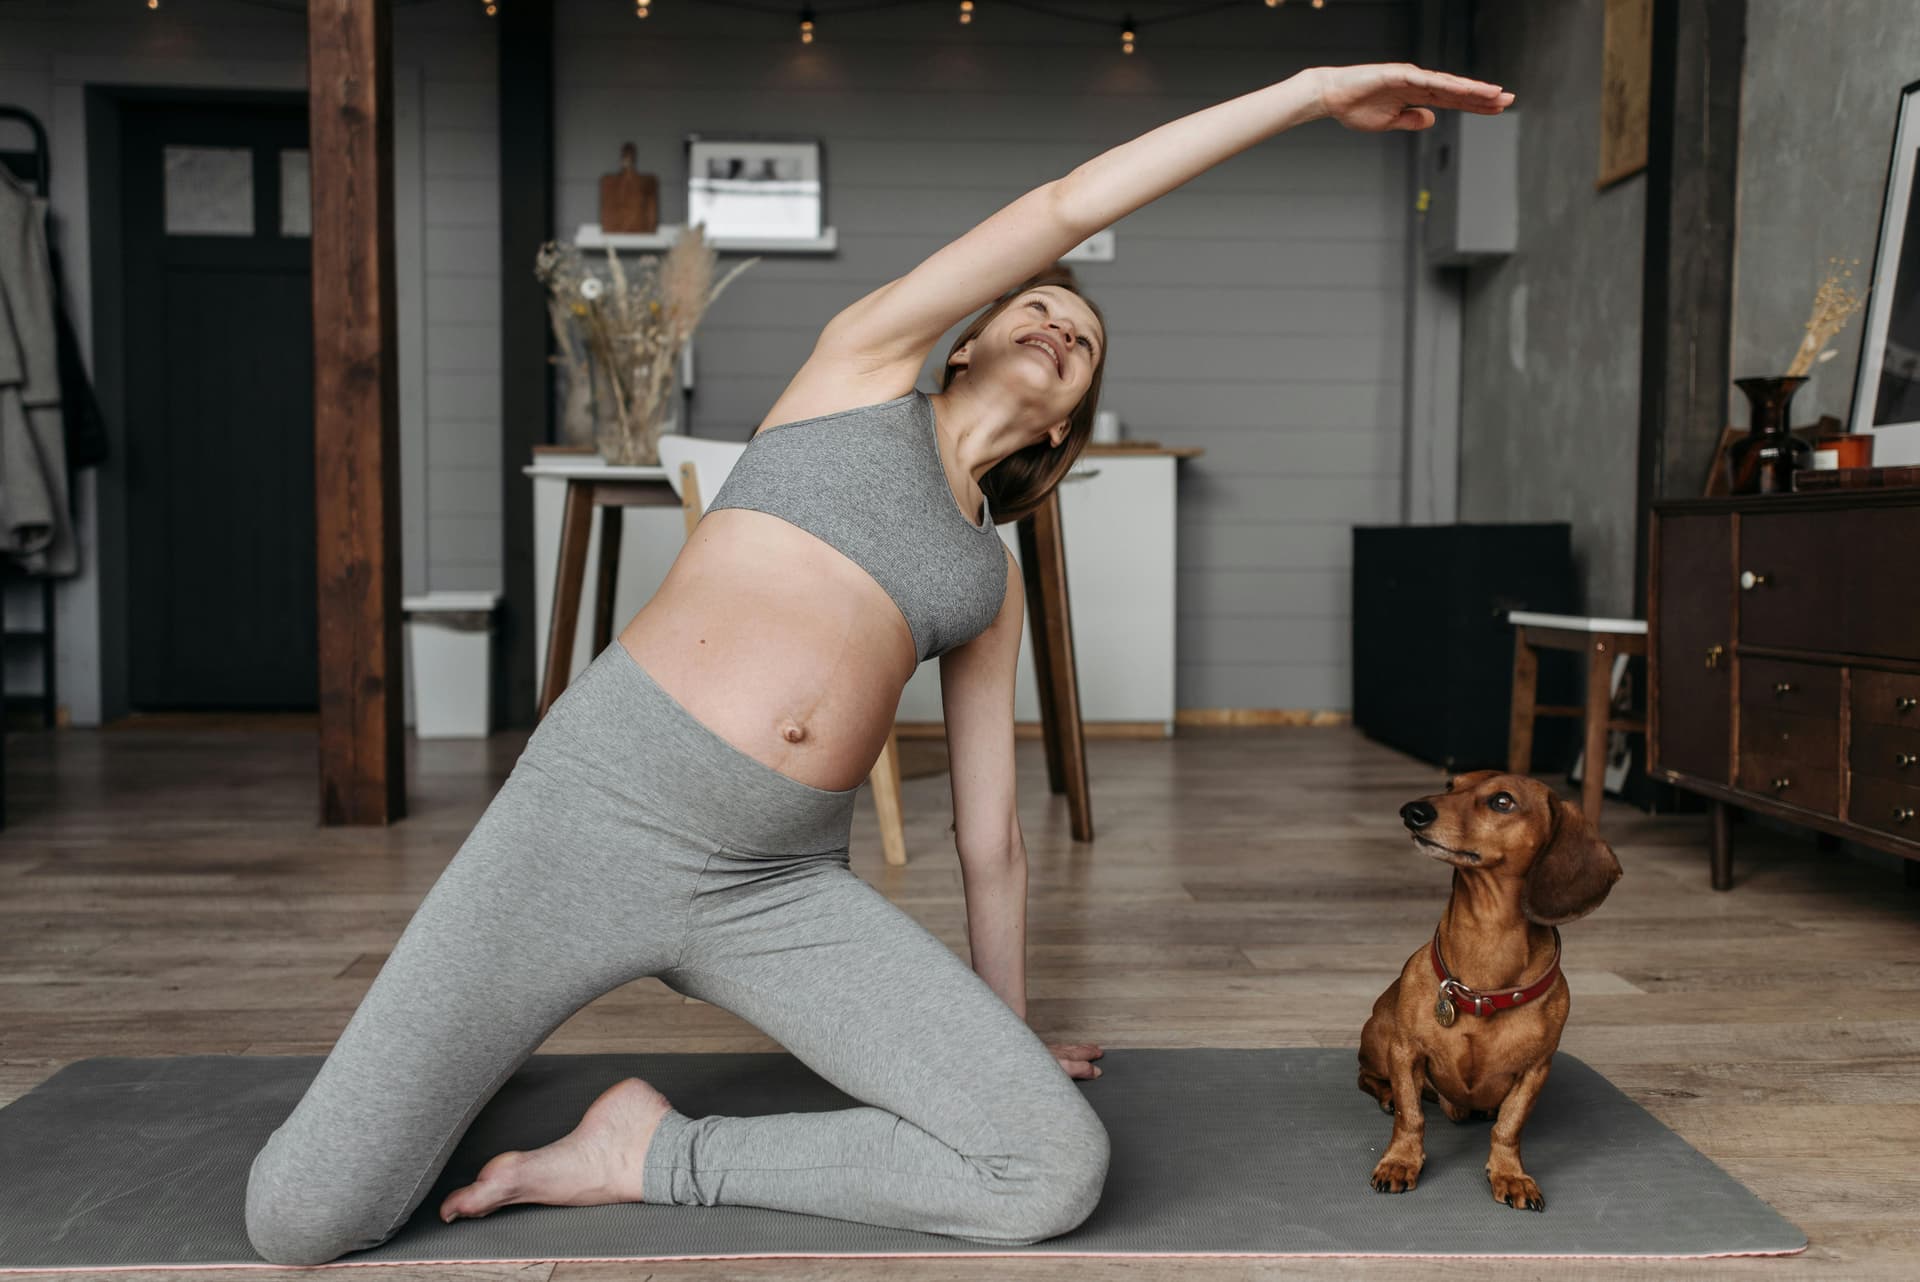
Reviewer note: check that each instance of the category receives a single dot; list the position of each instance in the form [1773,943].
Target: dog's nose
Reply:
[1418,814]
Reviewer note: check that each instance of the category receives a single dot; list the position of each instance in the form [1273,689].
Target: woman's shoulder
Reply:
[825,387]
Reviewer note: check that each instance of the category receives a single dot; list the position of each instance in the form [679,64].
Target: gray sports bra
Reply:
[873,487]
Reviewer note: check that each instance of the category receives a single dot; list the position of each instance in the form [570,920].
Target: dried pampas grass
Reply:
[620,335]
[1833,302]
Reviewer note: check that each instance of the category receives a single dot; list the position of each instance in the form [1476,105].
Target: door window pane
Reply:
[209,191]
[296,193]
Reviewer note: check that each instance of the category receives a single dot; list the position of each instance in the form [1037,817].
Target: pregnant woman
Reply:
[682,811]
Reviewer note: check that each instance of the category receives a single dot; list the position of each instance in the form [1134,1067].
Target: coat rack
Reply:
[10,637]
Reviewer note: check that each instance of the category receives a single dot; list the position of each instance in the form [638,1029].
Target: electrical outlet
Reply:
[1097,248]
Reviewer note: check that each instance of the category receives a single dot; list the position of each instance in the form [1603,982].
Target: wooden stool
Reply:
[1601,640]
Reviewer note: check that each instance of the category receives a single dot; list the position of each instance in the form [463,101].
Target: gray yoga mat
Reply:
[119,1163]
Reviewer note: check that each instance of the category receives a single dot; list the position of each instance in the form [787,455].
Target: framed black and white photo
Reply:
[1886,390]
[750,189]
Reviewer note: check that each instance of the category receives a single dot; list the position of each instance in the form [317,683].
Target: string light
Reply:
[966,12]
[641,11]
[1126,34]
[490,7]
[153,4]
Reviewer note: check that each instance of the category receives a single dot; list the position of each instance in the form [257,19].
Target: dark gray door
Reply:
[219,402]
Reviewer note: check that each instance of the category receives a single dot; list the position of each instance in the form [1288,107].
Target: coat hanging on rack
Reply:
[36,526]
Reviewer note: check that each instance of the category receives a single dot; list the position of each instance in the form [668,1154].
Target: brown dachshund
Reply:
[1474,1018]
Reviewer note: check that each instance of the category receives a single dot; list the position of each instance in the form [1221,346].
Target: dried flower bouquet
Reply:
[620,335]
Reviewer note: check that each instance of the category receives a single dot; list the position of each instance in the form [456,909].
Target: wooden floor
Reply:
[166,891]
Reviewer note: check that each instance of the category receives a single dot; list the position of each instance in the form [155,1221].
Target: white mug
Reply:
[1106,427]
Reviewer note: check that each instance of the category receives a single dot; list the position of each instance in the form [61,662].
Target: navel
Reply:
[792,731]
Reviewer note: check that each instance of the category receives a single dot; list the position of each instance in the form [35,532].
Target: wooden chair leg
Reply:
[690,495]
[1599,711]
[1526,678]
[1050,561]
[576,528]
[612,521]
[885,778]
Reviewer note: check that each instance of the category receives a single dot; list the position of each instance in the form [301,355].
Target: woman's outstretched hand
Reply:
[1078,1059]
[1379,96]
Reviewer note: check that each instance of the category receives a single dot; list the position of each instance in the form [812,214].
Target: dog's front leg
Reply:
[1399,1167]
[1511,1185]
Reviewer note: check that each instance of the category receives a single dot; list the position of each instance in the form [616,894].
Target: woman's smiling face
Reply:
[1049,339]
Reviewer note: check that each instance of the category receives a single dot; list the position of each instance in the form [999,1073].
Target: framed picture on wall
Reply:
[751,188]
[1886,389]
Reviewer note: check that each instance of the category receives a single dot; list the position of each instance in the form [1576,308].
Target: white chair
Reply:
[697,468]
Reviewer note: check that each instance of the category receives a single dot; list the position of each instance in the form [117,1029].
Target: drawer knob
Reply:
[1905,703]
[1903,814]
[1782,784]
[1904,759]
[1749,580]
[1714,654]
[1783,687]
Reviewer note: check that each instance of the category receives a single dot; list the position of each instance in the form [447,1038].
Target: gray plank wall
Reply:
[1256,312]
[450,421]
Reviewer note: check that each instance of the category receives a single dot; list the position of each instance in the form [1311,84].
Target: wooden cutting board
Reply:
[629,201]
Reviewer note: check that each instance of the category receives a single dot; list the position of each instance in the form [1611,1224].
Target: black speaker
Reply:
[1432,648]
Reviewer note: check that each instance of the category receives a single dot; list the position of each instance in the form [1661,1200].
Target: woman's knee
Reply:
[1067,1177]
[292,1219]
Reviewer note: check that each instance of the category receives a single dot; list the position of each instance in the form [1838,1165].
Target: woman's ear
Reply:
[1057,434]
[1572,874]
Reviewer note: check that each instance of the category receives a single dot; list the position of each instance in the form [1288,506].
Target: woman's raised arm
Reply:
[900,321]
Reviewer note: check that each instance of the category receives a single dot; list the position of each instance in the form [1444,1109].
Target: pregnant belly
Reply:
[778,644]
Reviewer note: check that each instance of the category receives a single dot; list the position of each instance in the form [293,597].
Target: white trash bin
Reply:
[450,663]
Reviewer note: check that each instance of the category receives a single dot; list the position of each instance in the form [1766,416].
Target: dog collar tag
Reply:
[1443,1011]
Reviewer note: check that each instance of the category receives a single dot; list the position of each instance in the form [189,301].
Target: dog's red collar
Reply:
[1476,1003]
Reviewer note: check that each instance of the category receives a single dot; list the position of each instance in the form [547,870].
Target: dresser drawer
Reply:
[1809,787]
[1886,698]
[1810,689]
[1885,752]
[1790,737]
[1789,592]
[1885,806]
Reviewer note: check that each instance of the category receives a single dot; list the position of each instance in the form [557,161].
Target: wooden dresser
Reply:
[1784,662]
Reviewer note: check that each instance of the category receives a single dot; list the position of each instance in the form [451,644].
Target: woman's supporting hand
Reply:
[1379,96]
[1078,1059]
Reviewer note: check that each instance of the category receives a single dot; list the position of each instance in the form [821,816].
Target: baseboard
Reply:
[1261,717]
[1031,729]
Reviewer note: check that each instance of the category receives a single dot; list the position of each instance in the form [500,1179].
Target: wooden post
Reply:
[355,412]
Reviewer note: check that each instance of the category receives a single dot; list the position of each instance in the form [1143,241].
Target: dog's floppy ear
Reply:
[1572,874]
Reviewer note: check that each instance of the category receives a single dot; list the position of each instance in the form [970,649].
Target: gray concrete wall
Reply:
[1817,107]
[1550,350]
[1258,311]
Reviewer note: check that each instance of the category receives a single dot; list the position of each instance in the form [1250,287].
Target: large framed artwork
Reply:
[1886,390]
[753,189]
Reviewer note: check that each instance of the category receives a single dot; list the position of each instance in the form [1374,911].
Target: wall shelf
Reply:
[589,236]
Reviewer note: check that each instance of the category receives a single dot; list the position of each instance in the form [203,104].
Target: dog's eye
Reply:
[1502,801]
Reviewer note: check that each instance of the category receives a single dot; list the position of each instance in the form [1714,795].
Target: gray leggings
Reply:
[631,840]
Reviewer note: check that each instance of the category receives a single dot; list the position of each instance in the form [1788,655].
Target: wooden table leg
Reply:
[1049,556]
[612,521]
[1599,709]
[1040,628]
[1526,680]
[576,528]
[1722,858]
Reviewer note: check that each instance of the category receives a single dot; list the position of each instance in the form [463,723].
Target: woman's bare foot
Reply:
[600,1161]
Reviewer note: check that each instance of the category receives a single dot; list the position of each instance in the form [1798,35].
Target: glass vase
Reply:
[1765,459]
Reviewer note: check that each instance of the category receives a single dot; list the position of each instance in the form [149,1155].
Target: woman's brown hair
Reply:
[1020,482]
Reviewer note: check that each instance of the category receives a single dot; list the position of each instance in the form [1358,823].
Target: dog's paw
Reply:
[1518,1191]
[1396,1175]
